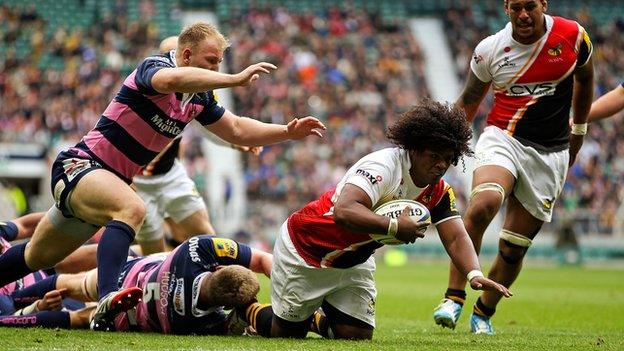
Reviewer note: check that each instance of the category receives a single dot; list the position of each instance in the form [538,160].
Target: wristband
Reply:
[579,129]
[393,227]
[474,273]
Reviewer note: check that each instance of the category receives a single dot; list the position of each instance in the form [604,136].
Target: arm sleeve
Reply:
[480,62]
[586,49]
[212,111]
[446,208]
[374,178]
[228,252]
[145,72]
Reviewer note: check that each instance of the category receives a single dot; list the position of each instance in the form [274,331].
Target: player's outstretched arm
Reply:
[462,252]
[197,80]
[250,132]
[261,262]
[607,105]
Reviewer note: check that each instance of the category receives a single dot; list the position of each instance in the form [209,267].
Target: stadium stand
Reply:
[355,65]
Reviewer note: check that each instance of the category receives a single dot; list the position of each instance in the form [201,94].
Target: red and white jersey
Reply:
[384,176]
[533,83]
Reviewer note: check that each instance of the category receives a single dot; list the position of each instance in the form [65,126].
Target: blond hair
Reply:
[230,286]
[195,33]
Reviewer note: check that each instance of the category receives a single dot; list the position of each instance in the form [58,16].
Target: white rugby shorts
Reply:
[539,175]
[172,195]
[298,289]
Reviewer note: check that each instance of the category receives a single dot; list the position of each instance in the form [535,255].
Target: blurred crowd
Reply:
[351,69]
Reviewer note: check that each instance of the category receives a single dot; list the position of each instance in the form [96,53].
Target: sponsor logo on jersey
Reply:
[178,297]
[166,125]
[477,58]
[193,245]
[538,89]
[555,50]
[372,179]
[225,247]
[506,63]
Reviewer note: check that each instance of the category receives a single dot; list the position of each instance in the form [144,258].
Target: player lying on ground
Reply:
[186,291]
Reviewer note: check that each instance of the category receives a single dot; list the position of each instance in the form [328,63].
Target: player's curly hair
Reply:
[230,286]
[434,126]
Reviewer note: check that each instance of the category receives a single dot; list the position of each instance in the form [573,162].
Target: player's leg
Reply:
[151,235]
[540,180]
[20,228]
[490,184]
[82,259]
[185,206]
[54,239]
[519,229]
[101,198]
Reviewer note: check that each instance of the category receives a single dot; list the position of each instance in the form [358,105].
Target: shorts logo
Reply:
[74,166]
[547,204]
[58,190]
[225,247]
[370,310]
[371,179]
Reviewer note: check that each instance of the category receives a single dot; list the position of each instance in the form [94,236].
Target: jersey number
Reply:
[151,291]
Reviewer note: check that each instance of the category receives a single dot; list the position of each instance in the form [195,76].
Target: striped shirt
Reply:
[140,122]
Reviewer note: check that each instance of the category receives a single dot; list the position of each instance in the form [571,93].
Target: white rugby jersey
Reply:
[384,176]
[533,83]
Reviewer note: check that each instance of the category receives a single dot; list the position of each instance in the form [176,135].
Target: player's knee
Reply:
[513,247]
[352,333]
[40,259]
[483,208]
[133,213]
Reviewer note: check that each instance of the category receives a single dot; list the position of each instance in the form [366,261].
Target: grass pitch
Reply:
[554,308]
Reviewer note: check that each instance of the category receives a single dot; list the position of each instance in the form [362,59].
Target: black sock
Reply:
[456,295]
[112,253]
[13,265]
[320,325]
[482,310]
[45,319]
[25,296]
[259,316]
[8,231]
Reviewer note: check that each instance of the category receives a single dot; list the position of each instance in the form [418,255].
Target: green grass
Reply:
[553,308]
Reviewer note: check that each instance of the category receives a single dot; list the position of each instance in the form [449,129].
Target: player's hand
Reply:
[52,300]
[483,283]
[252,73]
[255,150]
[409,230]
[300,128]
[576,141]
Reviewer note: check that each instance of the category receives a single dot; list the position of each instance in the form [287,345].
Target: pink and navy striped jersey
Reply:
[171,285]
[140,121]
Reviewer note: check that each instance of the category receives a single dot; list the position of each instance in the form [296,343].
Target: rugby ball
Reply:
[392,209]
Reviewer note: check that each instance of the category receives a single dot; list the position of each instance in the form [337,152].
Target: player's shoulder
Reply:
[390,154]
[502,37]
[565,27]
[159,60]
